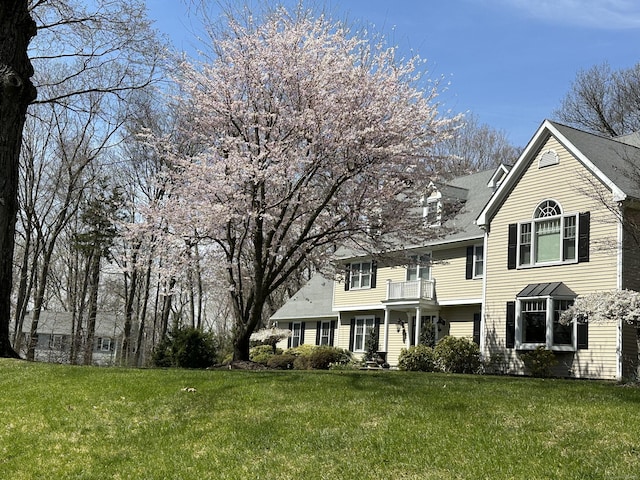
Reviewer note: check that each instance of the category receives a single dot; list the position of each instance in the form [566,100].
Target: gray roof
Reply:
[59,323]
[617,158]
[314,300]
[478,194]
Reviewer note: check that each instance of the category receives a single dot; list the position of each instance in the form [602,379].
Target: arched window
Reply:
[547,208]
[549,237]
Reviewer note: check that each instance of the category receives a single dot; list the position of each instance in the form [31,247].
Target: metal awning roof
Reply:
[554,289]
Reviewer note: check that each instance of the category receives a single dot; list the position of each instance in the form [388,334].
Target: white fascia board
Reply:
[460,302]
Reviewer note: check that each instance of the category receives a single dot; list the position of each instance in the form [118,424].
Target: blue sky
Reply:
[510,62]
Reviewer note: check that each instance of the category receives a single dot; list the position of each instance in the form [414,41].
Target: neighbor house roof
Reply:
[314,300]
[609,159]
[60,323]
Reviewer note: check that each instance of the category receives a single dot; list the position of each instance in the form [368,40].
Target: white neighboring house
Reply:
[54,338]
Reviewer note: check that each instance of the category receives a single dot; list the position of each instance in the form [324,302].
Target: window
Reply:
[56,342]
[419,268]
[551,237]
[325,333]
[361,275]
[296,334]
[475,262]
[478,261]
[432,209]
[104,344]
[361,328]
[539,324]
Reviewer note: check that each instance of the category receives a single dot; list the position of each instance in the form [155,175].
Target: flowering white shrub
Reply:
[600,307]
[270,336]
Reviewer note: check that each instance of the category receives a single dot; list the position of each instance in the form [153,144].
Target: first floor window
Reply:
[539,323]
[296,334]
[104,344]
[325,333]
[363,326]
[56,342]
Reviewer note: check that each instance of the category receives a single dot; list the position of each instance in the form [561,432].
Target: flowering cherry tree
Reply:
[301,136]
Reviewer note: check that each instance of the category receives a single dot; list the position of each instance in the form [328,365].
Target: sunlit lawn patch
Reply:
[78,422]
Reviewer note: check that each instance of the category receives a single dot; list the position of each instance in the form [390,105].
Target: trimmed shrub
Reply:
[261,354]
[540,362]
[281,362]
[324,356]
[186,348]
[457,355]
[418,358]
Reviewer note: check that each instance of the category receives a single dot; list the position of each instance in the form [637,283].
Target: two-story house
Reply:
[525,241]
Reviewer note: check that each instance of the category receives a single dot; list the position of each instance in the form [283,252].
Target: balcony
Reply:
[411,290]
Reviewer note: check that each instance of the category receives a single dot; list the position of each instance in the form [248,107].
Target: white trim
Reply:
[323,318]
[619,279]
[459,302]
[357,308]
[483,300]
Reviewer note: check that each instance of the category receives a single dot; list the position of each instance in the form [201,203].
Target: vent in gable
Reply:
[548,158]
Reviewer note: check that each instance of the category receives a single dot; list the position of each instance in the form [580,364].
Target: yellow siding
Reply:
[459,320]
[367,296]
[568,184]
[449,273]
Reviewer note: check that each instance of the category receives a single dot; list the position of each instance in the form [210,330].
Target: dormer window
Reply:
[432,212]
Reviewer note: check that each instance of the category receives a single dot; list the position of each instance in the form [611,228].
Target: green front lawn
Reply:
[84,422]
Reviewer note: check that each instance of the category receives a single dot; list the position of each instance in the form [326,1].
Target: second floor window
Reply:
[551,237]
[419,268]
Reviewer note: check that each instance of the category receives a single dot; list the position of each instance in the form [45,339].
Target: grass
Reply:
[91,423]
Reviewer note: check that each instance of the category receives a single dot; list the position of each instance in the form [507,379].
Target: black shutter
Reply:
[583,335]
[469,271]
[318,332]
[512,249]
[511,325]
[290,336]
[584,220]
[476,328]
[377,333]
[301,333]
[374,273]
[352,333]
[332,327]
[347,276]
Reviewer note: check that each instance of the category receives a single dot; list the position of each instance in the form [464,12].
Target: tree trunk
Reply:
[16,93]
[125,354]
[143,315]
[93,306]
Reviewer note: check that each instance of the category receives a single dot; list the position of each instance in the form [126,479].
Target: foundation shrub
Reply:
[457,355]
[418,358]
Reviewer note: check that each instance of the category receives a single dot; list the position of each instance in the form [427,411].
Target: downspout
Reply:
[619,286]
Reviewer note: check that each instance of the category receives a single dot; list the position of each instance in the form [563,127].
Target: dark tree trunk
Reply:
[16,93]
[93,305]
[125,358]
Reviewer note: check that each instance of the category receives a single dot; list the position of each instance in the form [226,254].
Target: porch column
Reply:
[418,324]
[407,340]
[385,338]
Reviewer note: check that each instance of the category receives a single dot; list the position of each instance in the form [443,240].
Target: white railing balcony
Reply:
[411,290]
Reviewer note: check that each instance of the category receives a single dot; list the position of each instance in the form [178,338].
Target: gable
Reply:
[569,161]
